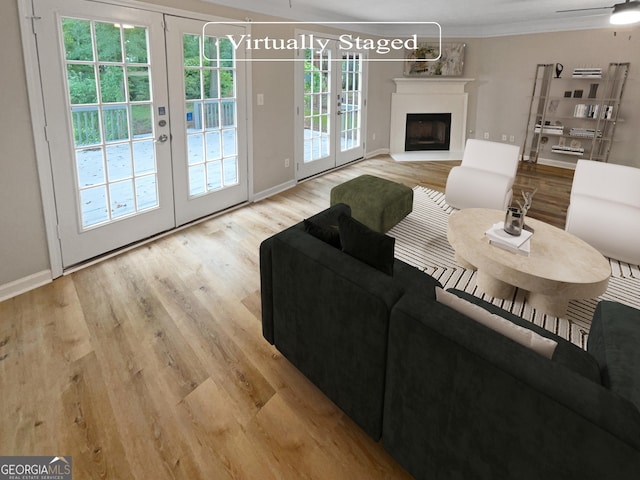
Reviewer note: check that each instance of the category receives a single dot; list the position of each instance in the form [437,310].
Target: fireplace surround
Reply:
[429,96]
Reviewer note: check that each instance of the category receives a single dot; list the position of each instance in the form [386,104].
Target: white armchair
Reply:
[604,209]
[485,177]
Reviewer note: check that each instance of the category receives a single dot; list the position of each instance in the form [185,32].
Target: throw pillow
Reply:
[371,247]
[327,235]
[525,337]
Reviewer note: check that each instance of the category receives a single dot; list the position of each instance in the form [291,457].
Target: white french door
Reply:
[121,169]
[208,116]
[330,108]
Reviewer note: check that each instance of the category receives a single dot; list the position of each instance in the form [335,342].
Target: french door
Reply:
[125,167]
[208,116]
[330,108]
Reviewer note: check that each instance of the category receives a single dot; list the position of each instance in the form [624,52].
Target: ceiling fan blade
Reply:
[584,9]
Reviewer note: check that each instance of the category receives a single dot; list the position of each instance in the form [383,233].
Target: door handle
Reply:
[162,138]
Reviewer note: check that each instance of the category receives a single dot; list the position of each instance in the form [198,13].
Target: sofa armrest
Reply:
[324,218]
[614,340]
[458,394]
[330,319]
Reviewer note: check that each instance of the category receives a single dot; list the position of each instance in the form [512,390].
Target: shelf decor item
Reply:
[559,68]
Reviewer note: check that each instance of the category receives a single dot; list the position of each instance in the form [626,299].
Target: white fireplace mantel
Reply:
[429,95]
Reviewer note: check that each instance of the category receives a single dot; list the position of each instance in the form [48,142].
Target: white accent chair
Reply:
[485,177]
[604,209]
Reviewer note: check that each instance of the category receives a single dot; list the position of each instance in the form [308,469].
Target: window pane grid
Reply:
[110,98]
[210,96]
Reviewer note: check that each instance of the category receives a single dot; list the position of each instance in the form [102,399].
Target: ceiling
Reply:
[458,18]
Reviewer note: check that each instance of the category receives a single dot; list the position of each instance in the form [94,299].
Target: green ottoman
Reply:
[376,202]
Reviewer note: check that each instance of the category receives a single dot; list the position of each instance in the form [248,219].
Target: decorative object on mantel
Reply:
[435,59]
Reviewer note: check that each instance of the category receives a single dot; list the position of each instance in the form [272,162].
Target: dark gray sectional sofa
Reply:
[448,397]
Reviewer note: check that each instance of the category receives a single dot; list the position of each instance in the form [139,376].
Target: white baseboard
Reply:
[274,190]
[375,153]
[555,163]
[22,285]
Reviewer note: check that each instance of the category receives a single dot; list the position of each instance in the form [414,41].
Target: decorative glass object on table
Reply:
[514,218]
[513,221]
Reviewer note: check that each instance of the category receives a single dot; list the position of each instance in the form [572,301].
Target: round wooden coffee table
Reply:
[560,268]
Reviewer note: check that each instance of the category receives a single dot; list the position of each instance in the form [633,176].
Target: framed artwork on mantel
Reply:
[421,61]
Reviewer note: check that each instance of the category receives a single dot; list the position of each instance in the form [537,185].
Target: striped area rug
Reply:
[421,241]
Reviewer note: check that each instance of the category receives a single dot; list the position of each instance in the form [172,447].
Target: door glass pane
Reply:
[116,123]
[136,44]
[141,121]
[351,101]
[214,175]
[94,206]
[90,167]
[82,84]
[119,161]
[138,83]
[86,126]
[121,195]
[78,41]
[317,110]
[110,102]
[143,158]
[212,114]
[210,96]
[112,84]
[108,42]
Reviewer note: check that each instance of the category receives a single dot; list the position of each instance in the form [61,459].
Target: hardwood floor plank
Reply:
[86,424]
[152,364]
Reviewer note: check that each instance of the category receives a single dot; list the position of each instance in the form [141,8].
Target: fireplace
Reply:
[433,95]
[427,131]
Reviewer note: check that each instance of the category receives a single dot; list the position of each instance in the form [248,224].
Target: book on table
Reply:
[520,244]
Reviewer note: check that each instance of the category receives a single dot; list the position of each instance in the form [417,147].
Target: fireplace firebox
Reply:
[427,131]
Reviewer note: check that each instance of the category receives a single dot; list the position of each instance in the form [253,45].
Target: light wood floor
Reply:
[151,365]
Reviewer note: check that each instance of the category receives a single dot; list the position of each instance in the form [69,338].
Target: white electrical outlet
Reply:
[373,136]
[512,138]
[260,99]
[286,163]
[504,137]
[486,135]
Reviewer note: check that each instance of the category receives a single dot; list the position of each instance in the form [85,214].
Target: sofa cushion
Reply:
[523,336]
[329,235]
[566,353]
[614,341]
[373,248]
